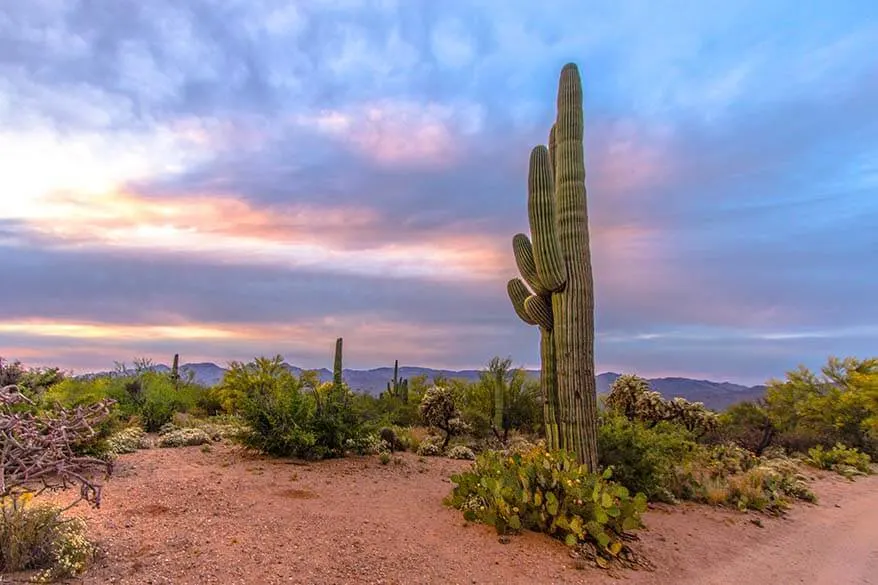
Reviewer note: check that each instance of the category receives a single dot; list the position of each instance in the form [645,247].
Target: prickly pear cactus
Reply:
[557,292]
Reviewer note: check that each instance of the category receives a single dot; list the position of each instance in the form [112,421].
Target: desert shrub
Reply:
[747,424]
[388,436]
[644,459]
[219,427]
[847,461]
[461,452]
[838,406]
[519,444]
[334,422]
[550,493]
[411,437]
[151,397]
[161,398]
[366,444]
[439,410]
[127,440]
[37,536]
[167,428]
[431,446]
[288,415]
[183,438]
[504,387]
[31,381]
[278,423]
[731,476]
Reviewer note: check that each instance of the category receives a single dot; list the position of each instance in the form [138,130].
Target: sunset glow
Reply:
[227,190]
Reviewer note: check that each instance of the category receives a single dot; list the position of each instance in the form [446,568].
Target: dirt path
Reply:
[832,543]
[181,516]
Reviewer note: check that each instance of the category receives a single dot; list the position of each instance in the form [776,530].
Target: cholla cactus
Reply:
[439,410]
[632,397]
[624,394]
[692,415]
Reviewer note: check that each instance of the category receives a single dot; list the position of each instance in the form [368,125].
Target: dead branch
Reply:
[37,451]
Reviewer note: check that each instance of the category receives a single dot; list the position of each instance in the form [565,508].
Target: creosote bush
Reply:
[548,492]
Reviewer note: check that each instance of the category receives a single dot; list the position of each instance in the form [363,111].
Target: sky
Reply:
[232,178]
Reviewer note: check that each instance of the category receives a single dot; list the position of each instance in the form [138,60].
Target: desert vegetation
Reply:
[753,456]
[545,456]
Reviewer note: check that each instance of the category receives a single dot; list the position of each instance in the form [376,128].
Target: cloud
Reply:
[249,171]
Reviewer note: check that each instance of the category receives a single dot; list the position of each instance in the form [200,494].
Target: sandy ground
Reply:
[184,516]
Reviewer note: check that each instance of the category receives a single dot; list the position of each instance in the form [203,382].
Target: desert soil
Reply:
[181,516]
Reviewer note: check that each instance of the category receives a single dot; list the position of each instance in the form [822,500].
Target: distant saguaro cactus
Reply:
[175,370]
[337,366]
[556,265]
[398,387]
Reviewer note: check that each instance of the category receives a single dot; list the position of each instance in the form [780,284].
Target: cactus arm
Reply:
[541,213]
[518,293]
[539,309]
[524,259]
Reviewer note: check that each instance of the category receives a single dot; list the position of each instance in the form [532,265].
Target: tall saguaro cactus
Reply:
[555,263]
[337,367]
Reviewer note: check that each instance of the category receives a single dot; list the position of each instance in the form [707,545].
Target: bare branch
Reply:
[37,451]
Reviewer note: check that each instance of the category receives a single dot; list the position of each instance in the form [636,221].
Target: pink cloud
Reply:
[396,133]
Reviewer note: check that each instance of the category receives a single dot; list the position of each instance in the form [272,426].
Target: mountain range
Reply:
[715,395]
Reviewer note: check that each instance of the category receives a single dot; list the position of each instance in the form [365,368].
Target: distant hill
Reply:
[715,395]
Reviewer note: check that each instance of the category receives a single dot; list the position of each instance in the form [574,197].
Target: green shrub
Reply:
[278,423]
[644,459]
[549,493]
[847,461]
[838,405]
[37,536]
[287,416]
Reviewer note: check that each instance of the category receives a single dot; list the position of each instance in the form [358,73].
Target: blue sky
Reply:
[226,179]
